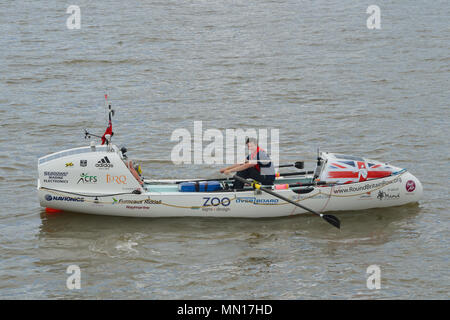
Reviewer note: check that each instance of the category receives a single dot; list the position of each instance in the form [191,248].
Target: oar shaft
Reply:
[318,183]
[295,173]
[278,196]
[230,178]
[327,217]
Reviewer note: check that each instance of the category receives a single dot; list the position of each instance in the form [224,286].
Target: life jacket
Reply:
[259,164]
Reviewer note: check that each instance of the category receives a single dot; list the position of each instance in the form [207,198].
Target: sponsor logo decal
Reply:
[144,201]
[62,198]
[410,186]
[104,163]
[214,209]
[216,204]
[216,201]
[55,177]
[83,163]
[69,164]
[367,187]
[255,200]
[116,179]
[85,178]
[137,207]
[386,196]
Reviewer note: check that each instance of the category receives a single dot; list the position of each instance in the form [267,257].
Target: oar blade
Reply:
[332,220]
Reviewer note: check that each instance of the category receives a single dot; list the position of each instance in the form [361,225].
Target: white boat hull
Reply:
[395,190]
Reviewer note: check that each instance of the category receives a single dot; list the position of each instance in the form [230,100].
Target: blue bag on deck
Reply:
[200,186]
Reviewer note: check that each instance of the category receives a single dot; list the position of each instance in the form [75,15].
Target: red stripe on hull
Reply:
[378,174]
[342,174]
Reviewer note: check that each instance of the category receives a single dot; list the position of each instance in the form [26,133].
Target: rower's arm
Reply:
[232,167]
[241,167]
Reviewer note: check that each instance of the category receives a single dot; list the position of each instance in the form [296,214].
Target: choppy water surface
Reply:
[312,70]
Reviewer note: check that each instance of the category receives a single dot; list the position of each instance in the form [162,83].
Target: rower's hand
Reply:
[227,172]
[222,170]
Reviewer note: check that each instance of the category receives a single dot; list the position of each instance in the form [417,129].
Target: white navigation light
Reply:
[108,139]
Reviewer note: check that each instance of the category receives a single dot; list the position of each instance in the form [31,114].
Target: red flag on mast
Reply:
[108,131]
[109,128]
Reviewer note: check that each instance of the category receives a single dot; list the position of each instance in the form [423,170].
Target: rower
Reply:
[258,166]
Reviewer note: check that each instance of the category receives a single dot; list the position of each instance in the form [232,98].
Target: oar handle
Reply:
[295,173]
[297,164]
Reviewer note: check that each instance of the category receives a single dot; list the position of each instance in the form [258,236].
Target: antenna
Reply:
[319,165]
[108,132]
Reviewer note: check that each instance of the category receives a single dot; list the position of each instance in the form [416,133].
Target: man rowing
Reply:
[258,166]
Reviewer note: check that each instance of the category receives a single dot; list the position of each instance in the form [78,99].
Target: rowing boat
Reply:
[95,180]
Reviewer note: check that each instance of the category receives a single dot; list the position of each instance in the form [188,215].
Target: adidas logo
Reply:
[104,163]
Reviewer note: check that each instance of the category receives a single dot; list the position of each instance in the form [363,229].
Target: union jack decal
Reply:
[349,171]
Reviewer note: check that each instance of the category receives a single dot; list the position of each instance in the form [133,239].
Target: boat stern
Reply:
[67,179]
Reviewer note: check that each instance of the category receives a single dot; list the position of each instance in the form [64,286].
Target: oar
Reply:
[295,173]
[195,180]
[223,179]
[297,164]
[327,217]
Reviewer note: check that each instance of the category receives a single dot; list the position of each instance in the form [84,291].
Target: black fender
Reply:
[303,190]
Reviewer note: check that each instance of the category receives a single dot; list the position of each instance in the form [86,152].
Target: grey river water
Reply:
[311,69]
